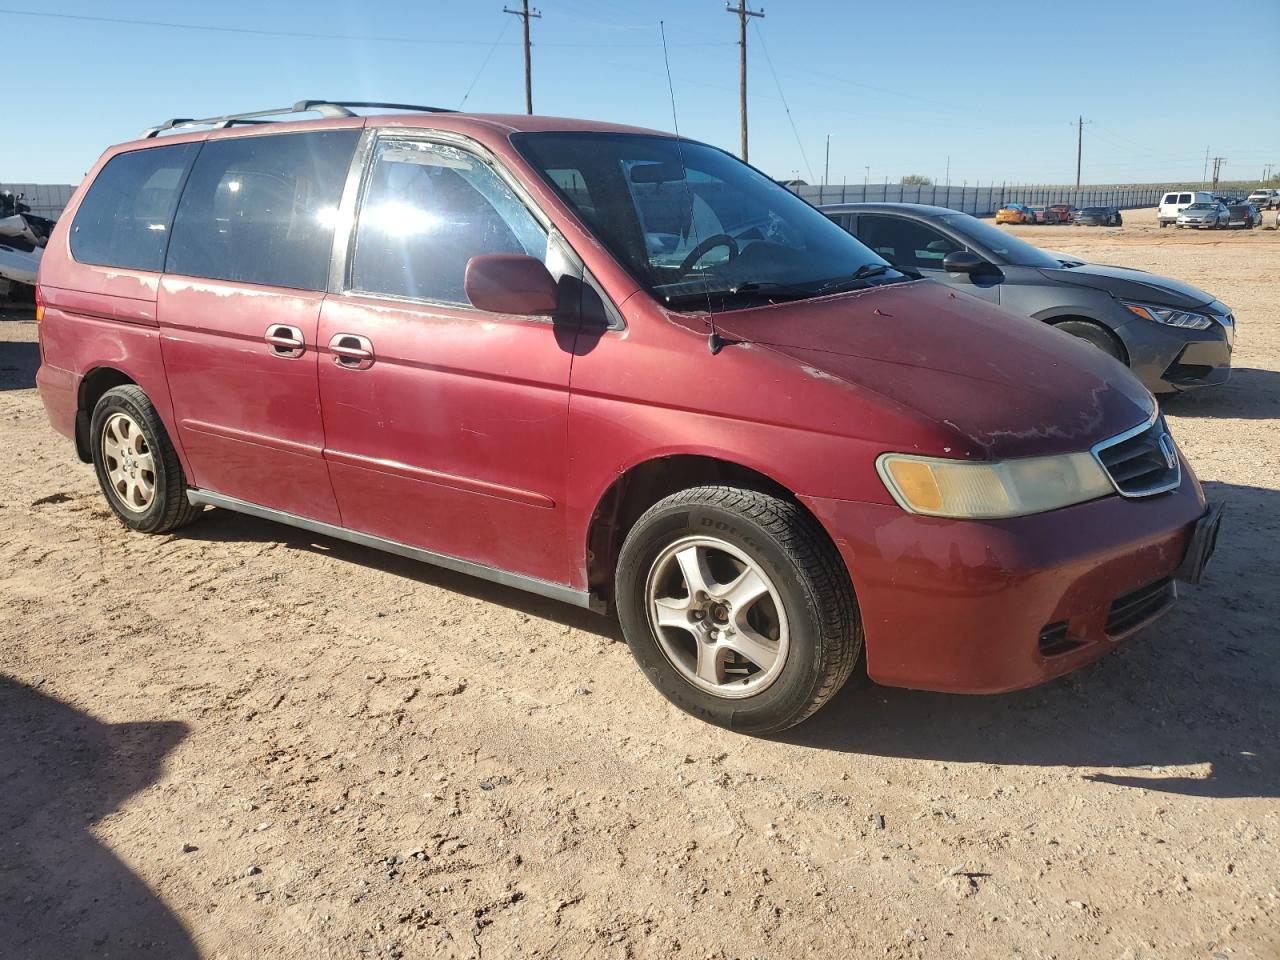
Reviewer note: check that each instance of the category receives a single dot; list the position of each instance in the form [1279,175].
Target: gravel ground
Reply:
[247,742]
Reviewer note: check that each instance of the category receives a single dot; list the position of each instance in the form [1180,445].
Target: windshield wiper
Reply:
[862,274]
[766,289]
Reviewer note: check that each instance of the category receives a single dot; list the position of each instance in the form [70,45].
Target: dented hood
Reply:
[1002,384]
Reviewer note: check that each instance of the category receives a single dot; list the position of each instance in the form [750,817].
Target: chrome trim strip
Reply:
[1129,434]
[554,591]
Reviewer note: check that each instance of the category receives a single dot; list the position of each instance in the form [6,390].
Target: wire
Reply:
[487,57]
[309,35]
[782,97]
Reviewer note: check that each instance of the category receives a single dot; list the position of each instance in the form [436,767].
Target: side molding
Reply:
[554,591]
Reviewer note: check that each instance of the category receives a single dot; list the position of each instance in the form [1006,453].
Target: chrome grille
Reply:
[1143,461]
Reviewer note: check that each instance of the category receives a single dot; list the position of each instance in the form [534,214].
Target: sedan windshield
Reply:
[1203,206]
[1007,249]
[691,222]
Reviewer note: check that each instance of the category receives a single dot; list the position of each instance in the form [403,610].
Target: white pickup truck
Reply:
[1264,199]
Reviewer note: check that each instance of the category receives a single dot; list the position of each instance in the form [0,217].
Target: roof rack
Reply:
[326,108]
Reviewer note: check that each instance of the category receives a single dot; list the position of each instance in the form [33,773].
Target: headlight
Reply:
[977,491]
[1169,316]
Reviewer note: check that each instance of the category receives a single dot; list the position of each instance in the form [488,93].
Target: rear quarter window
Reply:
[262,209]
[126,216]
[1184,198]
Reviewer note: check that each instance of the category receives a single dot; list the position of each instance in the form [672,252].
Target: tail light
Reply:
[39,304]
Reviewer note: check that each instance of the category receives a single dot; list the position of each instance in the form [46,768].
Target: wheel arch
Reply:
[642,485]
[93,385]
[1060,318]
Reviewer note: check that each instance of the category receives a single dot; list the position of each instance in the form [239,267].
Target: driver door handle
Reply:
[351,351]
[286,342]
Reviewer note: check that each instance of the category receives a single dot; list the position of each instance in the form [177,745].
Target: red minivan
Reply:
[619,369]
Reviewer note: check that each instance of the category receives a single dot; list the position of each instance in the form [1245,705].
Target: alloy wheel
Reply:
[130,466]
[717,616]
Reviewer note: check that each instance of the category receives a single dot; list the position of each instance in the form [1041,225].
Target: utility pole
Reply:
[524,14]
[743,12]
[826,170]
[1079,148]
[948,169]
[1217,168]
[1204,178]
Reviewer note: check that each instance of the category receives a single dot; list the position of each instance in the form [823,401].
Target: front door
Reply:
[239,308]
[445,425]
[907,242]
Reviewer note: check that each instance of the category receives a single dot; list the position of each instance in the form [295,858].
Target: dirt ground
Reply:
[243,741]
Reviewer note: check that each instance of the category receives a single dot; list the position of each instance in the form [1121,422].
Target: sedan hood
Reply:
[1001,384]
[1132,285]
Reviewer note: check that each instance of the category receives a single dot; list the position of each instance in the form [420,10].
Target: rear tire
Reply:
[1096,334]
[138,468]
[802,625]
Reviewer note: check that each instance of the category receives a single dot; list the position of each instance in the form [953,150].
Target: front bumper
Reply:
[992,606]
[1173,359]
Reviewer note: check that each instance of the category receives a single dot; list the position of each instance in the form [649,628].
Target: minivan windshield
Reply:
[1008,249]
[690,222]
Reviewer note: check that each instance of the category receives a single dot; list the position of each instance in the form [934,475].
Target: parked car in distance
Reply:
[1243,215]
[1062,212]
[1098,217]
[1209,215]
[1051,214]
[1264,198]
[1015,213]
[1173,204]
[1172,335]
[624,371]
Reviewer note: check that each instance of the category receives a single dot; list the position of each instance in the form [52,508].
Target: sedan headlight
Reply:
[963,490]
[1169,316]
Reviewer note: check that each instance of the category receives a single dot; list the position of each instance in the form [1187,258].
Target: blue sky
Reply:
[899,87]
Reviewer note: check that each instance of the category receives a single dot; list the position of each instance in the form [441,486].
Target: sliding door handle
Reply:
[351,352]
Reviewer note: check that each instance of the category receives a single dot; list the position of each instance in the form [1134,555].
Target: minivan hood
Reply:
[1002,384]
[1132,285]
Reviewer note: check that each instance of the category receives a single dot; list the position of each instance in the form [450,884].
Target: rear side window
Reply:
[1170,198]
[1184,198]
[125,218]
[262,209]
[429,208]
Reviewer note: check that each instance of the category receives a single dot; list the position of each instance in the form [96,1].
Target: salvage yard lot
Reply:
[243,741]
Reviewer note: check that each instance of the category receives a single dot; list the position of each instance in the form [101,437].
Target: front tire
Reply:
[138,468]
[737,607]
[1096,334]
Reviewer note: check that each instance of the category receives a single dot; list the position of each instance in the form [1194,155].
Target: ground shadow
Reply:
[227,526]
[18,362]
[1199,687]
[1250,394]
[62,893]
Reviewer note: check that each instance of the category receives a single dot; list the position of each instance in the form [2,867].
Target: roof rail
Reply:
[326,108]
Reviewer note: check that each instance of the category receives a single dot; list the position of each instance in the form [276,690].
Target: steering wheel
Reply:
[705,247]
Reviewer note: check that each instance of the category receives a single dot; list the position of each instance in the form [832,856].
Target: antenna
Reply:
[714,342]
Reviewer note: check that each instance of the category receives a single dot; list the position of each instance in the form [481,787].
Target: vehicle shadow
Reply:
[231,527]
[1196,689]
[1250,394]
[62,893]
[18,362]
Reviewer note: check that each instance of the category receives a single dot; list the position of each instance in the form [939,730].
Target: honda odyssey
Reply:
[618,369]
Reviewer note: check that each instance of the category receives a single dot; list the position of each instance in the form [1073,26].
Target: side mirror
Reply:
[512,283]
[962,261]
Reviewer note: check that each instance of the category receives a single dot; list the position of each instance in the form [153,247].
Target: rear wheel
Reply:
[137,466]
[737,607]
[1096,334]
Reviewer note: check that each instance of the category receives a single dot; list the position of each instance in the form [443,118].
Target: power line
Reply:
[315,35]
[743,12]
[487,57]
[524,14]
[799,143]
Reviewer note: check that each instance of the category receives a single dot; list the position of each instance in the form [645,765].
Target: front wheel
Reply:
[1096,334]
[737,607]
[137,465]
